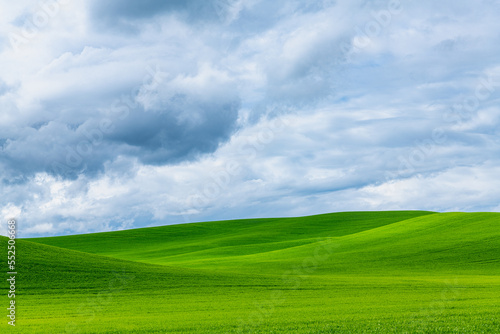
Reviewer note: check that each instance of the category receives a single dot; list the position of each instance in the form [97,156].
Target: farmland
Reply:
[351,272]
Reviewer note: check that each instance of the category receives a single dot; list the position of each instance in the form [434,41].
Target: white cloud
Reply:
[272,109]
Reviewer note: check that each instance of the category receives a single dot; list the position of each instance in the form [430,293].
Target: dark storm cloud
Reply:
[182,130]
[126,13]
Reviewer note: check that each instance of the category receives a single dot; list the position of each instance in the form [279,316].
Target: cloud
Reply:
[128,16]
[123,114]
[75,114]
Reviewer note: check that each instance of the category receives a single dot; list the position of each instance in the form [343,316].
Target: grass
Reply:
[353,272]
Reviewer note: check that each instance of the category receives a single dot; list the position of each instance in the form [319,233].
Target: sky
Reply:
[122,114]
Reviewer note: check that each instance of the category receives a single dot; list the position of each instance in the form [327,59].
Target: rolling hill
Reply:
[351,272]
[364,241]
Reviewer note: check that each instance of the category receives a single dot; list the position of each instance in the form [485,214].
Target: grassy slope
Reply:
[375,272]
[61,290]
[365,242]
[457,243]
[174,243]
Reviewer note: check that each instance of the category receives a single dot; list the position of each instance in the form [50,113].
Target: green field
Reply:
[352,272]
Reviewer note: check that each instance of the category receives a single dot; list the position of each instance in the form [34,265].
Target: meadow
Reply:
[351,272]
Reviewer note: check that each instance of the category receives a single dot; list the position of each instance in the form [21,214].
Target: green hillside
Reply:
[61,290]
[353,272]
[368,242]
[221,239]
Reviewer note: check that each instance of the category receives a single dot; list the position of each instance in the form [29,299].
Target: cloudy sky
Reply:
[121,113]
